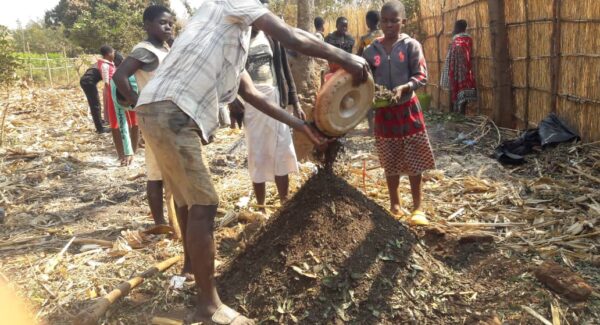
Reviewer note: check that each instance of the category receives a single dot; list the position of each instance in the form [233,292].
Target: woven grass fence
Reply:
[554,57]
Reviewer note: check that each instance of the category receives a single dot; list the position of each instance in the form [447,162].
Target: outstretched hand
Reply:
[127,160]
[358,68]
[316,137]
[299,112]
[401,91]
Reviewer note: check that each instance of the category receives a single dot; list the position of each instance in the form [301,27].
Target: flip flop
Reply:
[225,316]
[418,218]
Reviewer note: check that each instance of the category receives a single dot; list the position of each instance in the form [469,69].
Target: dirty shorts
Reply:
[176,143]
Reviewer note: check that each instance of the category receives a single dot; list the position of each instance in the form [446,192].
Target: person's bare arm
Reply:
[121,78]
[308,44]
[254,97]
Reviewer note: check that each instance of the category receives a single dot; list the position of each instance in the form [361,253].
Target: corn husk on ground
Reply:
[74,220]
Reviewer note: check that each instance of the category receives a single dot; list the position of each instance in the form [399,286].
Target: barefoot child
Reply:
[107,68]
[401,139]
[271,153]
[142,63]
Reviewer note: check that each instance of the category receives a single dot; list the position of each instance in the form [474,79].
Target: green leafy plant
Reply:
[8,70]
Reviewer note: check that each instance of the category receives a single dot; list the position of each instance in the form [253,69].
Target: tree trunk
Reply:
[302,64]
[303,71]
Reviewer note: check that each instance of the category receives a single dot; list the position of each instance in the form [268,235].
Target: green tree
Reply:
[8,59]
[93,23]
[37,38]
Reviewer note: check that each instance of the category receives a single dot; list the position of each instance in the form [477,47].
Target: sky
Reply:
[24,10]
[27,10]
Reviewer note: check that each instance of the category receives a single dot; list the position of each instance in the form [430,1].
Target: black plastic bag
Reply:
[553,130]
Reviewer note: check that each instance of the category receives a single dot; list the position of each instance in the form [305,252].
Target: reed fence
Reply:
[553,58]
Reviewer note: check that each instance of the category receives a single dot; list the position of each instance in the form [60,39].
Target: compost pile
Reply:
[333,255]
[327,252]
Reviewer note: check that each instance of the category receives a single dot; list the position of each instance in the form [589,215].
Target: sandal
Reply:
[225,316]
[418,218]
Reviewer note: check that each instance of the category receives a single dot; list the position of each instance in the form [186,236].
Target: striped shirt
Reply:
[205,63]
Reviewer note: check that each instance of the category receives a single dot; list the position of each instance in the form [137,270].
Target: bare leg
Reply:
[415,190]
[134,133]
[261,192]
[393,182]
[283,185]
[182,219]
[154,191]
[200,244]
[118,141]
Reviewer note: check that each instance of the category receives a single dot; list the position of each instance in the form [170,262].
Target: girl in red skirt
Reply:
[401,139]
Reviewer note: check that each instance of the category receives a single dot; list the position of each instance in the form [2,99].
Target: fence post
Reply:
[556,49]
[527,66]
[49,71]
[503,109]
[30,69]
[66,66]
[29,64]
[440,61]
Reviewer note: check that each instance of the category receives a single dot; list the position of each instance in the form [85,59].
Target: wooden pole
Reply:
[29,64]
[49,71]
[527,65]
[66,66]
[556,49]
[439,55]
[477,60]
[91,314]
[172,213]
[503,109]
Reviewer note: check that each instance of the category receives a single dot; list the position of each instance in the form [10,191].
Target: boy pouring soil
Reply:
[401,139]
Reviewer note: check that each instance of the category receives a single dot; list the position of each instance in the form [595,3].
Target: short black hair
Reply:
[264,2]
[105,50]
[319,22]
[341,20]
[373,17]
[460,26]
[396,6]
[153,11]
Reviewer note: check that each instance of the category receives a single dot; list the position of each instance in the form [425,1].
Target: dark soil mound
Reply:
[330,254]
[333,256]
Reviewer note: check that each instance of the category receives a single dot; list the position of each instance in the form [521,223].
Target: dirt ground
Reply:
[332,254]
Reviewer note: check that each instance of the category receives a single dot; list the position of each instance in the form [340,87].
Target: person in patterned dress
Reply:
[457,75]
[401,139]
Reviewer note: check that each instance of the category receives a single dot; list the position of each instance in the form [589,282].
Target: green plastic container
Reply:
[379,103]
[425,100]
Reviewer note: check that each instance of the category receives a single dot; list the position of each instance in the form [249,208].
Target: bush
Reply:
[8,60]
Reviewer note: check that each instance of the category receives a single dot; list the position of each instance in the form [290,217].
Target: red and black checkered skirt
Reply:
[401,139]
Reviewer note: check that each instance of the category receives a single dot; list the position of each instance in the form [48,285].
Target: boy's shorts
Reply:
[176,143]
[152,169]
